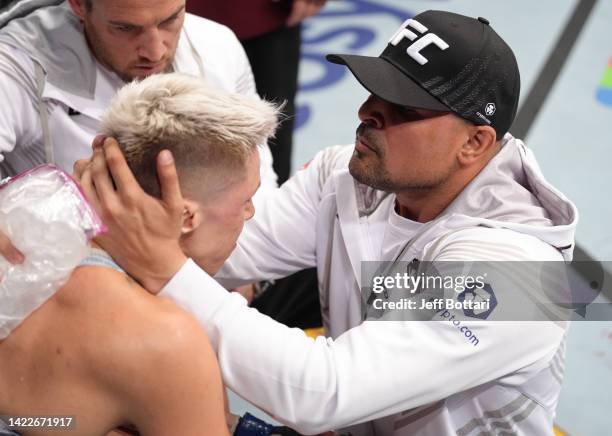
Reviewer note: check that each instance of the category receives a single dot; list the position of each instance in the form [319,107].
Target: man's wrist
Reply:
[155,279]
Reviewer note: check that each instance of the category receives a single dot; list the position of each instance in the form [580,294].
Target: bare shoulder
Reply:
[121,315]
[145,351]
[113,354]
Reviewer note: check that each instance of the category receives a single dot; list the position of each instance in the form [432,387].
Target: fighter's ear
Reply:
[192,217]
[78,7]
[480,143]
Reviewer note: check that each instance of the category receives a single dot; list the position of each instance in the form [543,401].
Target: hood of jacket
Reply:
[53,36]
[20,8]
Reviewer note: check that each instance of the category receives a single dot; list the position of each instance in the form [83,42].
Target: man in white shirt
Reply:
[62,63]
[433,176]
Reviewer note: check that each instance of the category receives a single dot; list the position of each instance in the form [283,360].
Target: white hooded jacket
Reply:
[390,377]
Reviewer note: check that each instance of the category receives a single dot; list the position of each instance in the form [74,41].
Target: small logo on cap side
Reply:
[490,109]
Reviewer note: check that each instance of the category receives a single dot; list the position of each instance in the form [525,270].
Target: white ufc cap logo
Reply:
[414,49]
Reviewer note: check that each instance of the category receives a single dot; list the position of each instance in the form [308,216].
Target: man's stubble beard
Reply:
[126,77]
[370,169]
[375,175]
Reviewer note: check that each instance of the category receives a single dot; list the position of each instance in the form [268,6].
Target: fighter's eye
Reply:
[170,21]
[123,28]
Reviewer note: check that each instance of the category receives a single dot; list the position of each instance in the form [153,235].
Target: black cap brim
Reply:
[386,81]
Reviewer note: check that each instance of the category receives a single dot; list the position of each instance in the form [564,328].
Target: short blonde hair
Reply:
[206,129]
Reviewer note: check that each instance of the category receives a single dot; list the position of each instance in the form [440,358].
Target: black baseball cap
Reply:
[444,61]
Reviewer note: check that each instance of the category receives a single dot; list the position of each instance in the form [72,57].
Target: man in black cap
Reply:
[477,78]
[433,175]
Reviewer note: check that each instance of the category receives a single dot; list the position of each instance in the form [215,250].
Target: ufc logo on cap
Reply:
[414,49]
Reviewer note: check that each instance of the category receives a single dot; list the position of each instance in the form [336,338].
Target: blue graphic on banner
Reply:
[604,92]
[365,7]
[605,96]
[314,48]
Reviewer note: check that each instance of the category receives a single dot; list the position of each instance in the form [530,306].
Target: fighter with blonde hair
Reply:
[102,349]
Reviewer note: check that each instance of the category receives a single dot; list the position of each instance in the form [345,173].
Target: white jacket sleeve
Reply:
[375,369]
[280,238]
[19,118]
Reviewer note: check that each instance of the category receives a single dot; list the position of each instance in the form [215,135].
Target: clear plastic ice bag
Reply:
[46,216]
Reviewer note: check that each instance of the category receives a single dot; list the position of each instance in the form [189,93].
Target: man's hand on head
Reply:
[81,165]
[143,232]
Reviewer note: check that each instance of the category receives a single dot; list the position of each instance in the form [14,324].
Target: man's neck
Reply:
[424,205]
[420,207]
